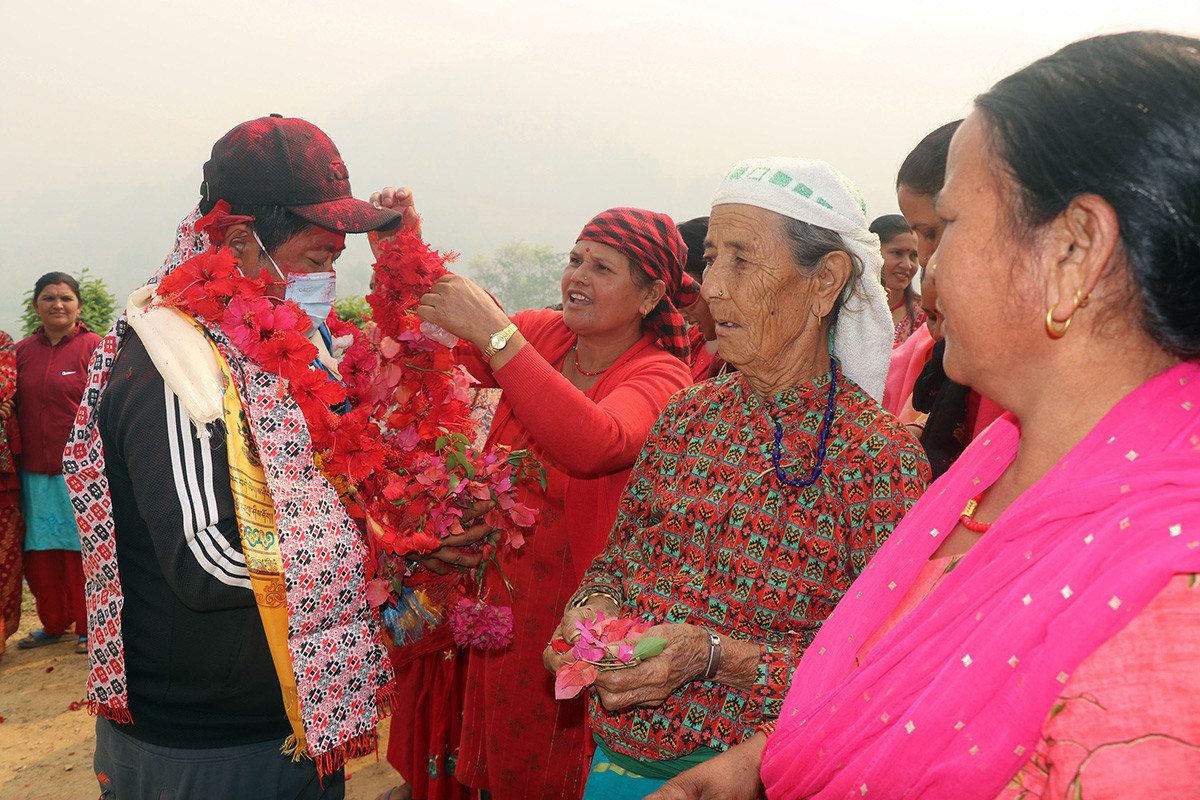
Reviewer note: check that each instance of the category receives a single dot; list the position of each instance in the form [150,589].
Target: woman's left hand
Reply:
[655,679]
[461,307]
[6,409]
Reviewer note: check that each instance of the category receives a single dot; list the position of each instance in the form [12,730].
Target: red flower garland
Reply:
[401,457]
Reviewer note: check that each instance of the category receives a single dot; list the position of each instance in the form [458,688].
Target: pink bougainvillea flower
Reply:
[477,623]
[570,679]
[379,591]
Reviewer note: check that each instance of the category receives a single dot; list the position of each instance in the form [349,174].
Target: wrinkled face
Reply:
[598,292]
[312,250]
[920,215]
[899,261]
[57,306]
[698,314]
[758,298]
[990,326]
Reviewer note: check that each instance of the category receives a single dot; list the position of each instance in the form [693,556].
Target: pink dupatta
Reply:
[950,702]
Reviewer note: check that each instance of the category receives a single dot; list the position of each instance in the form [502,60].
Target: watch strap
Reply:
[507,333]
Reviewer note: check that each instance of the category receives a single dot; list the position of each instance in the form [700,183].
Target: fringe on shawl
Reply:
[98,709]
[358,746]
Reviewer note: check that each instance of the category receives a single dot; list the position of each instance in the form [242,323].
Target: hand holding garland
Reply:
[400,200]
[456,550]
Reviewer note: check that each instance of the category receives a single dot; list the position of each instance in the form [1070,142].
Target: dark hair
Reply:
[274,224]
[810,244]
[889,226]
[51,278]
[693,232]
[1117,116]
[924,169]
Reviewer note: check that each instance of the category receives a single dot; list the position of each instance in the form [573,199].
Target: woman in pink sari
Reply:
[1032,628]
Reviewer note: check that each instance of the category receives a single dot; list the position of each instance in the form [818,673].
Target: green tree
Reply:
[520,275]
[99,305]
[354,310]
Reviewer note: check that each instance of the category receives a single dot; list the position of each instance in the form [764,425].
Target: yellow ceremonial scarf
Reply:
[260,544]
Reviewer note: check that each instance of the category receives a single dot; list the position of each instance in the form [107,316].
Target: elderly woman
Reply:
[760,494]
[582,388]
[1032,629]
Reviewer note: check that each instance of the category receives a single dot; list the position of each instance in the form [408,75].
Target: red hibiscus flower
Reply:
[287,354]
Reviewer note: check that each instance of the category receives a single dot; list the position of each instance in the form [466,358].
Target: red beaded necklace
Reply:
[583,371]
[968,516]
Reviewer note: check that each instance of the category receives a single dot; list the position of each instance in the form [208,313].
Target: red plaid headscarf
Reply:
[652,241]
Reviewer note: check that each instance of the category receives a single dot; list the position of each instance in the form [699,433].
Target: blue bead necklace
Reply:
[826,428]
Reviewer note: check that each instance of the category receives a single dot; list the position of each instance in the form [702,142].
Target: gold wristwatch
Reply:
[498,341]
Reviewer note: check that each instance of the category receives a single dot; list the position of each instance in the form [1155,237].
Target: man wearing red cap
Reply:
[233,653]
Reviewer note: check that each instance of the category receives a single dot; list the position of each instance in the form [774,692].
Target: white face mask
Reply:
[314,292]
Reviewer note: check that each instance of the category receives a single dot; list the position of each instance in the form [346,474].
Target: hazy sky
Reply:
[516,120]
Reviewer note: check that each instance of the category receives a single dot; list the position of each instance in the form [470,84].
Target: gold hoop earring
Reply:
[1052,328]
[1081,299]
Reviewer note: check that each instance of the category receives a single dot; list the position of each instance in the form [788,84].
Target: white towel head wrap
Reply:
[816,193]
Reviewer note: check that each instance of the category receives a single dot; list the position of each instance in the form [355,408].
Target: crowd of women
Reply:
[1026,627]
[740,417]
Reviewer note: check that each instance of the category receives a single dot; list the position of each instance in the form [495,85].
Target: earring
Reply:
[1053,329]
[1082,301]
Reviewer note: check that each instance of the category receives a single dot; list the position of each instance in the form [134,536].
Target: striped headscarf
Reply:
[652,241]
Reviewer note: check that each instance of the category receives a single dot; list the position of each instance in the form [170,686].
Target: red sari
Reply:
[12,528]
[517,740]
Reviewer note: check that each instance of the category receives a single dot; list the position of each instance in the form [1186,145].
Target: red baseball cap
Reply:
[286,161]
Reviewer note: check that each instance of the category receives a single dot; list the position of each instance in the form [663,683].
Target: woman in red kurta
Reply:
[12,527]
[581,388]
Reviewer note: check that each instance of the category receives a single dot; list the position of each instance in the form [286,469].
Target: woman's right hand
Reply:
[568,632]
[6,408]
[399,200]
[733,775]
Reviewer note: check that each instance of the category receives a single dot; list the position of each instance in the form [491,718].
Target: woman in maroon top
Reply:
[52,365]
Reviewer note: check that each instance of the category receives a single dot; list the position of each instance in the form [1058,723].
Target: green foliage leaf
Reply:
[648,646]
[520,275]
[353,310]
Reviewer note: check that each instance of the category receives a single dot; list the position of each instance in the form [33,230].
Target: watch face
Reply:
[498,340]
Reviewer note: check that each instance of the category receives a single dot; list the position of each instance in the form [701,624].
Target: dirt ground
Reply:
[46,741]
